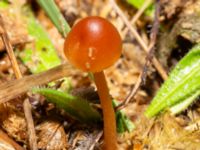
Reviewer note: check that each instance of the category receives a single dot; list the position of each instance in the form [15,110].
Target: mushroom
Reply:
[93,45]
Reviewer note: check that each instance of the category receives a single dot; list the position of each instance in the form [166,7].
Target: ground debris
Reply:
[16,28]
[51,136]
[85,139]
[180,34]
[13,122]
[125,72]
[166,132]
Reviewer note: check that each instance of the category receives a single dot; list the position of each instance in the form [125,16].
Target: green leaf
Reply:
[56,17]
[39,55]
[80,109]
[123,123]
[184,104]
[3,4]
[182,86]
[138,4]
[76,107]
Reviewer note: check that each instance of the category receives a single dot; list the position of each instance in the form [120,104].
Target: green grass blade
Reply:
[76,107]
[56,17]
[40,54]
[138,4]
[182,83]
[123,123]
[3,4]
[184,104]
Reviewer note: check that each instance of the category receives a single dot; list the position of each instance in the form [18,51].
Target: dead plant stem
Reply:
[138,14]
[7,139]
[12,89]
[30,124]
[9,49]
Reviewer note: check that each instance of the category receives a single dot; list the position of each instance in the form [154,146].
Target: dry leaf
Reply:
[16,29]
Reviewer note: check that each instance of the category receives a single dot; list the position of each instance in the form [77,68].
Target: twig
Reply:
[97,138]
[131,94]
[30,124]
[18,74]
[138,14]
[5,38]
[12,89]
[142,76]
[153,39]
[156,63]
[7,139]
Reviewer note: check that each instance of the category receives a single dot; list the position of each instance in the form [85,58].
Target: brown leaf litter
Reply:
[16,28]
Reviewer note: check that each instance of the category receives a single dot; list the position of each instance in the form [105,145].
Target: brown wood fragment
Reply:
[12,89]
[9,49]
[7,139]
[30,124]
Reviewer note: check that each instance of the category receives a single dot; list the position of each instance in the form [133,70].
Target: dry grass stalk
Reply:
[30,125]
[7,139]
[14,88]
[138,14]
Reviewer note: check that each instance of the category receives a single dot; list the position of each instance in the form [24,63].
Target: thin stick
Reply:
[18,74]
[97,138]
[12,89]
[7,139]
[110,131]
[5,39]
[156,63]
[30,125]
[138,14]
[149,57]
[31,129]
[131,94]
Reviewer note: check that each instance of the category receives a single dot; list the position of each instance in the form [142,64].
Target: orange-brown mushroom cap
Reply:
[93,44]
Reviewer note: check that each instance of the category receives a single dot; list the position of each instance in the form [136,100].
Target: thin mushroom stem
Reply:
[110,134]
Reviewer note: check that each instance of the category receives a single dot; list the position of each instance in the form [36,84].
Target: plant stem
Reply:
[110,134]
[12,89]
[9,49]
[7,139]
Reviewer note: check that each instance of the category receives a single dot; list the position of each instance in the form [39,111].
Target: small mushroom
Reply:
[93,45]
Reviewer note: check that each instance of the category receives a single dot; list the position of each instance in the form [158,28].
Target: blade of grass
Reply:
[56,17]
[185,104]
[138,4]
[39,55]
[3,4]
[182,84]
[76,107]
[123,123]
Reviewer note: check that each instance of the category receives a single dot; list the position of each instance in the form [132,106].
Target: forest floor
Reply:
[179,30]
